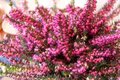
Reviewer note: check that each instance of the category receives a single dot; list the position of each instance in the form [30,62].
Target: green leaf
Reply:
[104,78]
[65,73]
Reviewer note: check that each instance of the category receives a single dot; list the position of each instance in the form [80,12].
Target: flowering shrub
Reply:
[74,42]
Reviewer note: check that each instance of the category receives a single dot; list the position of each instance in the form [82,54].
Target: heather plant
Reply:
[77,43]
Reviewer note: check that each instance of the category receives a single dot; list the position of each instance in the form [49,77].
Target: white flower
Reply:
[3,68]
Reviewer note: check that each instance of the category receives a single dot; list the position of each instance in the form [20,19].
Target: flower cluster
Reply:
[105,40]
[74,42]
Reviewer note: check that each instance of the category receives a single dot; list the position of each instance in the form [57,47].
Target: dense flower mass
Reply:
[74,42]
